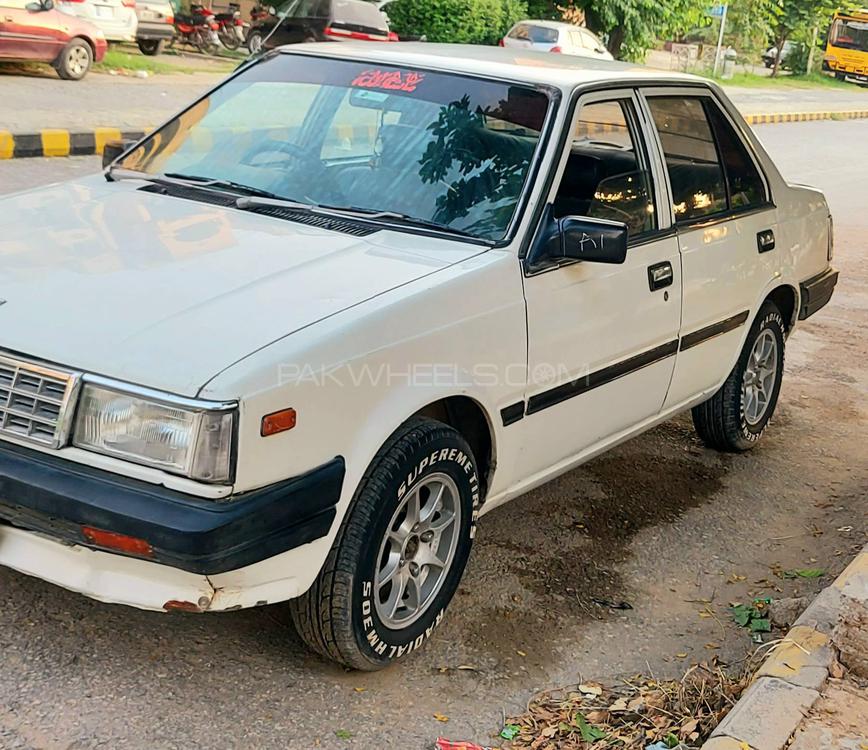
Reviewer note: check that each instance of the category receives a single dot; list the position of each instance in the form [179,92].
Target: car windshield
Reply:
[444,149]
[850,34]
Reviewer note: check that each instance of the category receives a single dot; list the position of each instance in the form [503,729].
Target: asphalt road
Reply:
[661,523]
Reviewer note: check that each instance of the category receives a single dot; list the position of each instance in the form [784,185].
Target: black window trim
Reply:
[706,95]
[629,90]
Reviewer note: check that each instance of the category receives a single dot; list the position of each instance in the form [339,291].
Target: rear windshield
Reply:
[437,147]
[536,34]
[358,13]
[542,35]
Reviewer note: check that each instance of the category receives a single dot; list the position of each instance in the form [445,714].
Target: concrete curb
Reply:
[794,672]
[766,119]
[58,142]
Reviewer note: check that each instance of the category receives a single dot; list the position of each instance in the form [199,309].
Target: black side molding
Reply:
[816,292]
[512,413]
[715,329]
[593,380]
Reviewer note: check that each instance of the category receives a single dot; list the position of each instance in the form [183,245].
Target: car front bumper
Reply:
[62,502]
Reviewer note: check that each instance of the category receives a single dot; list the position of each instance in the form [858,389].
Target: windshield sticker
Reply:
[390,80]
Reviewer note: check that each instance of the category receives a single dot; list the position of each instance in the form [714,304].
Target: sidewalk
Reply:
[810,693]
[763,100]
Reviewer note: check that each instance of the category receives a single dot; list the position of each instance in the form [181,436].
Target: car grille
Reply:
[34,401]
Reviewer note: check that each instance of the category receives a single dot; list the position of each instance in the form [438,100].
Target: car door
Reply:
[28,34]
[726,224]
[602,338]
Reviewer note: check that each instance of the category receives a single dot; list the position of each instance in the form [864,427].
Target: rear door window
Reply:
[695,172]
[743,181]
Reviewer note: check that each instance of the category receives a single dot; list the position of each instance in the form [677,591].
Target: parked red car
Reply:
[39,32]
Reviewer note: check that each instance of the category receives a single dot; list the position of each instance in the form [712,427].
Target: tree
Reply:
[794,16]
[630,26]
[750,26]
[458,21]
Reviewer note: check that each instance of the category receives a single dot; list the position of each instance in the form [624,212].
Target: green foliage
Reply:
[750,26]
[543,9]
[458,21]
[795,17]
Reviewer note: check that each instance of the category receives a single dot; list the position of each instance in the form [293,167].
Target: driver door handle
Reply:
[660,275]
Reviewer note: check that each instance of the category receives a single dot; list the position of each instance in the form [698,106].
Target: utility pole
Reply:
[719,40]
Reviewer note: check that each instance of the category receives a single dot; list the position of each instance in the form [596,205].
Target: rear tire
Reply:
[151,47]
[74,60]
[380,594]
[735,417]
[229,39]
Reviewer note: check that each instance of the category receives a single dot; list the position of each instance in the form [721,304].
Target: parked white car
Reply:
[294,343]
[556,36]
[116,18]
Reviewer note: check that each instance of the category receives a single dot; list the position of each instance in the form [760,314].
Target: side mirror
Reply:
[578,239]
[113,149]
[36,7]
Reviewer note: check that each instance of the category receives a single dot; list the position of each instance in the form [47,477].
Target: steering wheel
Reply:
[323,177]
[283,147]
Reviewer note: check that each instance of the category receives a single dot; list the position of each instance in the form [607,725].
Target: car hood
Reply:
[167,292]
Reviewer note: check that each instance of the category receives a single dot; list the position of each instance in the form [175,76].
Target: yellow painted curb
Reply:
[102,135]
[859,566]
[55,142]
[794,653]
[7,144]
[768,119]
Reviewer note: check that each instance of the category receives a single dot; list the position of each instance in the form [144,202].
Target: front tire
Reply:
[254,42]
[400,552]
[74,60]
[735,417]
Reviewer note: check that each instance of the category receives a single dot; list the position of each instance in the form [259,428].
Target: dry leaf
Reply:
[521,653]
[590,688]
[836,670]
[360,689]
[681,655]
[441,717]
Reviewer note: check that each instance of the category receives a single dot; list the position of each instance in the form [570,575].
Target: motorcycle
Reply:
[231,31]
[198,29]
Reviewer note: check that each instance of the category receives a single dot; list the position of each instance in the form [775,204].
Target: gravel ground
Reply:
[660,522]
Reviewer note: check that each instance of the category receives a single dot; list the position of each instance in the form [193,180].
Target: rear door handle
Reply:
[660,275]
[765,240]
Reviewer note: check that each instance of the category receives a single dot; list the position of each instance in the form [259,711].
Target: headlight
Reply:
[183,437]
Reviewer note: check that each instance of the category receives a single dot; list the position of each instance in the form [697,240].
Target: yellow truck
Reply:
[847,46]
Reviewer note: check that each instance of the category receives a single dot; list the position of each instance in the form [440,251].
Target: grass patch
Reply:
[810,81]
[132,61]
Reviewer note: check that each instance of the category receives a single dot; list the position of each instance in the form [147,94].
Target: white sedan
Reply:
[294,343]
[116,18]
[556,36]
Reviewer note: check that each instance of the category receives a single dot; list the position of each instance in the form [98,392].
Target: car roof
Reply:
[565,71]
[548,24]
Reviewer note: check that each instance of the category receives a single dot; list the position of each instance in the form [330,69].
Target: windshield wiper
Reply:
[351,212]
[116,174]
